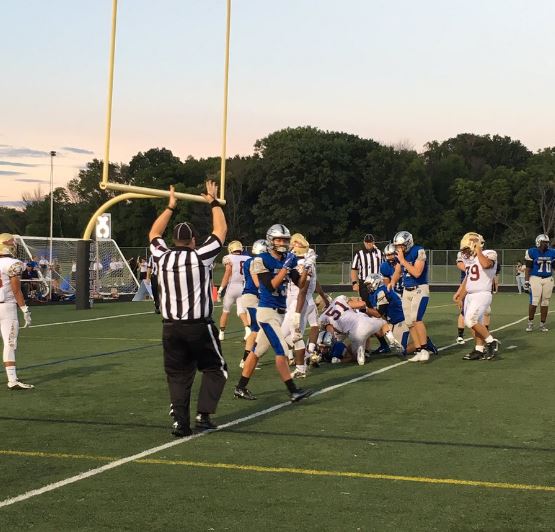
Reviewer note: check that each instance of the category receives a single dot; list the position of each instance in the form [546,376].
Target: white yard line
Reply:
[153,450]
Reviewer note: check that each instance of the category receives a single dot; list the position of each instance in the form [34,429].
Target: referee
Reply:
[152,277]
[365,262]
[189,337]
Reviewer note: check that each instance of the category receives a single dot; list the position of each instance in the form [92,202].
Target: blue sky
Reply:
[395,71]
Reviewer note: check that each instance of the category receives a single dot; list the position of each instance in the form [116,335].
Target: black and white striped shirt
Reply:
[185,278]
[153,265]
[367,262]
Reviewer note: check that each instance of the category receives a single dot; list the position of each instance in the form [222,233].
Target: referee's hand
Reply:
[211,191]
[172,204]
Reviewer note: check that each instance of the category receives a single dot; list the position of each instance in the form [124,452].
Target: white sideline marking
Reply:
[512,347]
[153,450]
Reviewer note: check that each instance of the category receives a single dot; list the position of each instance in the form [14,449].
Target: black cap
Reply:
[369,238]
[183,231]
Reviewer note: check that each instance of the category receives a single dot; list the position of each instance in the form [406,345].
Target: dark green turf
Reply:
[485,421]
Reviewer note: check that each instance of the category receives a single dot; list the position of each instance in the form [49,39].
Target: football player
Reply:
[413,269]
[538,280]
[232,285]
[476,291]
[294,323]
[387,267]
[10,298]
[249,298]
[332,350]
[273,269]
[342,318]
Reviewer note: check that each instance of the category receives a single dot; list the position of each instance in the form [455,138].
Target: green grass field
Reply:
[449,445]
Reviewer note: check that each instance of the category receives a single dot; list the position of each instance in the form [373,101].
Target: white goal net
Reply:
[110,275]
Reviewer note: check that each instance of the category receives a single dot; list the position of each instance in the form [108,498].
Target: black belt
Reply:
[190,322]
[279,310]
[410,288]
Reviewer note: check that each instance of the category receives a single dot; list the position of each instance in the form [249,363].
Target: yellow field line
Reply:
[293,470]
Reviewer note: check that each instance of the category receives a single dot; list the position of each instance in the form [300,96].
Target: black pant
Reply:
[189,346]
[154,288]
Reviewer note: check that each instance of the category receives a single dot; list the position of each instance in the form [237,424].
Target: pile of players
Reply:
[274,290]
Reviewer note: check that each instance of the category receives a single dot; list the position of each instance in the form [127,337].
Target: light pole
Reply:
[52,155]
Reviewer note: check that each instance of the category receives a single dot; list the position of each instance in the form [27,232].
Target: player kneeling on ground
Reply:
[476,292]
[330,349]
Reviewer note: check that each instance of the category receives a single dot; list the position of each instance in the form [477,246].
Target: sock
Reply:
[530,322]
[487,327]
[222,328]
[422,347]
[479,348]
[290,385]
[542,323]
[243,381]
[489,339]
[460,331]
[10,372]
[301,367]
[246,354]
[311,347]
[383,342]
[247,330]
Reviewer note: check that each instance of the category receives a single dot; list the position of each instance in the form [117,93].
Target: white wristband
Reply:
[24,309]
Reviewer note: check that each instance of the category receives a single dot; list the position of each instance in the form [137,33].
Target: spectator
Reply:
[520,270]
[29,278]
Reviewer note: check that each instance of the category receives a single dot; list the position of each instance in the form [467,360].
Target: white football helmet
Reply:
[389,252]
[7,244]
[373,281]
[259,247]
[403,238]
[234,246]
[469,243]
[542,238]
[278,231]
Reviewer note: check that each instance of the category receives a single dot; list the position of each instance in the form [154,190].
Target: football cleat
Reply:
[543,328]
[181,431]
[381,351]
[17,385]
[298,374]
[336,360]
[299,395]
[530,327]
[243,393]
[431,347]
[361,359]
[221,335]
[247,333]
[415,357]
[424,355]
[474,355]
[491,349]
[460,340]
[203,422]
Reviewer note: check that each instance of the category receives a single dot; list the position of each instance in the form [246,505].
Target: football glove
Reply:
[26,316]
[288,261]
[527,286]
[221,292]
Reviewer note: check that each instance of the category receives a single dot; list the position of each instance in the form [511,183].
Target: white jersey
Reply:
[236,261]
[293,289]
[341,316]
[477,278]
[9,267]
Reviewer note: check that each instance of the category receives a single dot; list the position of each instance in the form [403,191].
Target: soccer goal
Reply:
[109,273]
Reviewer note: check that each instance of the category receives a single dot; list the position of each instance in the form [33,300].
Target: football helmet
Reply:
[470,242]
[234,246]
[324,343]
[278,231]
[373,281]
[389,252]
[7,244]
[259,247]
[542,238]
[403,238]
[299,245]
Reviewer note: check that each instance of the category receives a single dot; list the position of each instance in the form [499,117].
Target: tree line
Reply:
[332,187]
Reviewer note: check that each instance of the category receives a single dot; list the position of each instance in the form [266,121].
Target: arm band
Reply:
[171,209]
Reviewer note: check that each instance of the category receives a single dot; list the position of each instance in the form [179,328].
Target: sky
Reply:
[397,71]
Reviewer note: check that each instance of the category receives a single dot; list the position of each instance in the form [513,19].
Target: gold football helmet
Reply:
[234,246]
[299,245]
[7,244]
[470,243]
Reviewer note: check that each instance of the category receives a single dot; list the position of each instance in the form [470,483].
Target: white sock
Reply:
[489,339]
[301,367]
[542,323]
[530,322]
[480,348]
[311,347]
[247,330]
[11,373]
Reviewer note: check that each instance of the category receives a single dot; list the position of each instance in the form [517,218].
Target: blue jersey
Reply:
[250,287]
[542,261]
[265,263]
[387,270]
[382,297]
[411,256]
